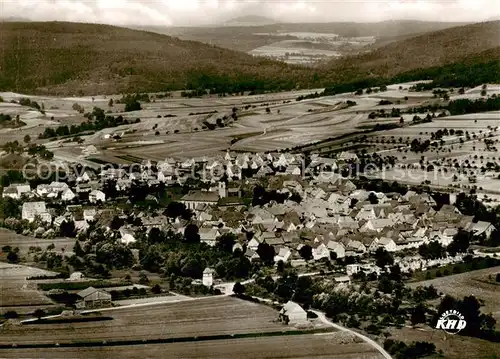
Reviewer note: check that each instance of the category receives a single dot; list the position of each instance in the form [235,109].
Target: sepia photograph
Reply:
[250,179]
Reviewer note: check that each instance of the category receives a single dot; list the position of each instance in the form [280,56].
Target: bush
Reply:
[11,314]
[156,289]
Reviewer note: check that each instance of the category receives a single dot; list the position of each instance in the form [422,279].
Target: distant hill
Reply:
[250,20]
[244,38]
[428,50]
[72,58]
[63,58]
[14,19]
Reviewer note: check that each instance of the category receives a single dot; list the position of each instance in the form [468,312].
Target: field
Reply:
[16,292]
[284,347]
[454,346]
[475,283]
[10,238]
[203,317]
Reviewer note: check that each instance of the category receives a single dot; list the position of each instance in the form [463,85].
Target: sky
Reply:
[203,12]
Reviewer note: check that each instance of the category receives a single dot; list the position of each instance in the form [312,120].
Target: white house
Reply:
[68,195]
[352,269]
[337,248]
[96,196]
[208,277]
[482,227]
[320,251]
[35,209]
[16,191]
[209,235]
[283,255]
[127,235]
[89,214]
[292,313]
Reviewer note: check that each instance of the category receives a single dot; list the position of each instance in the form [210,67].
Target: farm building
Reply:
[93,298]
[292,313]
[195,198]
[75,276]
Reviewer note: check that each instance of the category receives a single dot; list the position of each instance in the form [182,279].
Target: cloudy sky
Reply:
[199,12]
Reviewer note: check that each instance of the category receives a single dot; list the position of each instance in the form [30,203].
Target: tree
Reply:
[372,197]
[418,315]
[191,233]
[77,249]
[27,139]
[266,253]
[132,105]
[13,257]
[226,242]
[306,252]
[383,258]
[11,314]
[143,278]
[39,313]
[67,229]
[238,288]
[460,243]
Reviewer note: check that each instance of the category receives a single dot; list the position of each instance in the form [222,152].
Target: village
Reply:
[260,199]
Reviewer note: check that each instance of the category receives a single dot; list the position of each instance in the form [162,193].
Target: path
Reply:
[371,342]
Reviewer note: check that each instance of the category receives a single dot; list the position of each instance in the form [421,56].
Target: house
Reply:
[337,248]
[481,228]
[75,276]
[96,196]
[252,255]
[16,191]
[68,195]
[127,235]
[208,277]
[31,210]
[194,198]
[253,244]
[377,225]
[209,235]
[89,214]
[92,298]
[283,255]
[292,314]
[320,251]
[387,243]
[352,269]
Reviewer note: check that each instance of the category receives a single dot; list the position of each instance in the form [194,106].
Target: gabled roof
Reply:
[201,196]
[86,292]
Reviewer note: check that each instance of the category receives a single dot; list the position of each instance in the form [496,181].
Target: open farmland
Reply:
[331,346]
[10,238]
[203,317]
[16,292]
[454,346]
[477,283]
[177,126]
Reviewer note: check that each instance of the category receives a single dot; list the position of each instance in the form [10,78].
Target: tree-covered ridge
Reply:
[68,58]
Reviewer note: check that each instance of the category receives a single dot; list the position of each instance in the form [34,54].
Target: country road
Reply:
[373,343]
